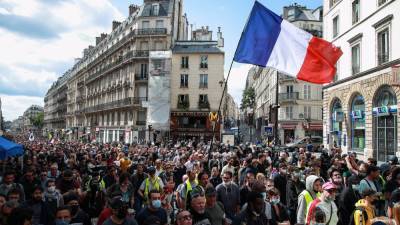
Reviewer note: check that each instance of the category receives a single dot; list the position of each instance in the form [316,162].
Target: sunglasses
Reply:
[330,191]
[185,218]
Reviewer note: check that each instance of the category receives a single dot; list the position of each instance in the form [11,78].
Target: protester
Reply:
[326,203]
[215,210]
[313,187]
[153,209]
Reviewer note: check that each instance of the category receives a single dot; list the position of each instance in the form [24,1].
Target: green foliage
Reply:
[37,121]
[248,98]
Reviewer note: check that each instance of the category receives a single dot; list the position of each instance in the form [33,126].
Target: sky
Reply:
[40,39]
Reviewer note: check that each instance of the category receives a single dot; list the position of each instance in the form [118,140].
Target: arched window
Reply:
[336,122]
[384,123]
[358,123]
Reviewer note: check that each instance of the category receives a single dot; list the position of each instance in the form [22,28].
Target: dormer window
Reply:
[155,8]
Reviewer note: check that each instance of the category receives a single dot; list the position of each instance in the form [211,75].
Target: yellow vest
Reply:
[189,187]
[156,185]
[309,197]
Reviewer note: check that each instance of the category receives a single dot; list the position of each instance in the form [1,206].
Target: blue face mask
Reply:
[156,203]
[61,222]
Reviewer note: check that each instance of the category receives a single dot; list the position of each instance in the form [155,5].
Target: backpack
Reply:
[364,214]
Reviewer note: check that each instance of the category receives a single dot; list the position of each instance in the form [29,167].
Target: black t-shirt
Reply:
[145,213]
[127,221]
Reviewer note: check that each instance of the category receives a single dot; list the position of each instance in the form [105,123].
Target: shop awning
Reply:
[288,126]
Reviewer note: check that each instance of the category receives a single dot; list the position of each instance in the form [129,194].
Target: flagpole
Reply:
[223,91]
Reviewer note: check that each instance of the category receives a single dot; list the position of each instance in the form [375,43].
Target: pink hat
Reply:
[328,186]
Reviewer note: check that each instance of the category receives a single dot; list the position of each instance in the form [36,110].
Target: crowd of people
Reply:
[192,183]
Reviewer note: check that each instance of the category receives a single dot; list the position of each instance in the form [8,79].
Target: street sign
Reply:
[268,130]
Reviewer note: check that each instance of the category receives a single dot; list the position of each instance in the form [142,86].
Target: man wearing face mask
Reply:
[153,209]
[119,213]
[52,196]
[326,203]
[313,187]
[77,214]
[39,208]
[229,194]
[280,181]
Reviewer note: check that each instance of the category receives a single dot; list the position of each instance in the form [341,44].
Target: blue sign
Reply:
[268,130]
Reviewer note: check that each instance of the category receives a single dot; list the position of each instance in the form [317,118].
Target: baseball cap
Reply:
[328,186]
[210,191]
[151,169]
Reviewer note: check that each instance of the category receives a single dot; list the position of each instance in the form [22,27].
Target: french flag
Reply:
[269,41]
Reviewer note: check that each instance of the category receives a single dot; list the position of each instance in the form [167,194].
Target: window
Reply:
[184,80]
[160,24]
[333,2]
[383,46]
[204,62]
[381,2]
[143,69]
[203,80]
[289,112]
[145,24]
[358,123]
[307,91]
[307,112]
[289,89]
[336,123]
[183,98]
[203,98]
[335,26]
[155,8]
[356,11]
[185,62]
[355,59]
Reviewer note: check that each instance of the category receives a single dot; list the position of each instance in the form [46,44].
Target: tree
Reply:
[248,98]
[37,121]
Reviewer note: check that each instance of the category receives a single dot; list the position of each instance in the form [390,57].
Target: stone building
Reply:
[196,85]
[29,114]
[300,112]
[360,107]
[108,89]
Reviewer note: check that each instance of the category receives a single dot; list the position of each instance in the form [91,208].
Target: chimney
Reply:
[220,39]
[85,52]
[132,9]
[102,36]
[115,24]
[98,40]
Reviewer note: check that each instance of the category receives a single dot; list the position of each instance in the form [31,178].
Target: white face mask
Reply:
[51,189]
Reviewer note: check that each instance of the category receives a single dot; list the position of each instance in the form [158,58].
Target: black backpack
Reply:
[364,214]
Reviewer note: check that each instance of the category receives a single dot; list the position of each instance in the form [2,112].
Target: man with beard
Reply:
[253,214]
[119,213]
[229,194]
[39,208]
[77,214]
[197,207]
[8,184]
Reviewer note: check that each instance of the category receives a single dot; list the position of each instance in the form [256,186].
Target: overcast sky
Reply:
[40,39]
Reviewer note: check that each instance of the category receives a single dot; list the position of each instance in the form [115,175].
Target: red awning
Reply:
[316,126]
[289,126]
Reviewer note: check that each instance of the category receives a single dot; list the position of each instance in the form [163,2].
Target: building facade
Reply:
[196,85]
[300,112]
[55,106]
[360,107]
[1,118]
[32,112]
[108,88]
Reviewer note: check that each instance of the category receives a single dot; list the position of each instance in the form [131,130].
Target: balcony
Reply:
[139,100]
[152,31]
[140,123]
[80,98]
[183,105]
[80,83]
[204,105]
[111,66]
[141,77]
[289,96]
[126,102]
